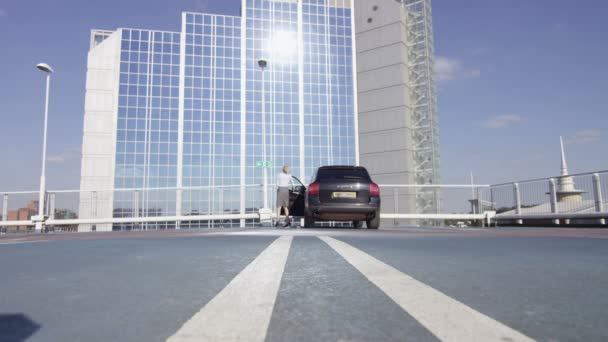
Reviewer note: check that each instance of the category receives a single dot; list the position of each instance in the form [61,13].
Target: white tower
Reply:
[565,189]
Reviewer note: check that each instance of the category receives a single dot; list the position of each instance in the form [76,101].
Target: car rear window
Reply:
[344,173]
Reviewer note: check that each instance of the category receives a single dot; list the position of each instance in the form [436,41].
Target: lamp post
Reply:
[48,71]
[262,63]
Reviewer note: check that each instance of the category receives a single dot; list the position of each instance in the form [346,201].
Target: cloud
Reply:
[68,154]
[586,136]
[445,68]
[502,121]
[449,69]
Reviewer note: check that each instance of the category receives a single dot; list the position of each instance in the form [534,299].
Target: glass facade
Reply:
[272,94]
[308,110]
[147,123]
[212,113]
[328,85]
[195,110]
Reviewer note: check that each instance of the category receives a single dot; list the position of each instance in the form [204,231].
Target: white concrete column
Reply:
[597,194]
[517,196]
[52,206]
[5,207]
[553,199]
[302,132]
[180,124]
[243,169]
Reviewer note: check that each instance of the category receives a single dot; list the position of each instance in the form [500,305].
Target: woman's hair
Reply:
[286,168]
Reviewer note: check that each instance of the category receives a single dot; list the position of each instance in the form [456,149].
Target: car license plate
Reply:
[344,194]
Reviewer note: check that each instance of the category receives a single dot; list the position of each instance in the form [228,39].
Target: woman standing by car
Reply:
[283,182]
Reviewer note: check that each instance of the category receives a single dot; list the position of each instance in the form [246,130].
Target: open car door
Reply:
[297,191]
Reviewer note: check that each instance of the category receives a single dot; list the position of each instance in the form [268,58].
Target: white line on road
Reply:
[447,318]
[242,310]
[20,242]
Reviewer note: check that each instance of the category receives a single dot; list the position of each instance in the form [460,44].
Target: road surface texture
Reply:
[409,284]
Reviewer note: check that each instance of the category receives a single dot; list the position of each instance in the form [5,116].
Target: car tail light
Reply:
[374,189]
[313,189]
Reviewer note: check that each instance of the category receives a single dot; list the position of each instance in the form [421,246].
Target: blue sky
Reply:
[513,75]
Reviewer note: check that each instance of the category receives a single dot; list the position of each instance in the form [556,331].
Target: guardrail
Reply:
[220,206]
[451,204]
[71,209]
[572,199]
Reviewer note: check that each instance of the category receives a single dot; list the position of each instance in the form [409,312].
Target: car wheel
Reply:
[358,224]
[308,221]
[373,223]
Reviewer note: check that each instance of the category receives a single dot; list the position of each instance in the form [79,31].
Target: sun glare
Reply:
[284,44]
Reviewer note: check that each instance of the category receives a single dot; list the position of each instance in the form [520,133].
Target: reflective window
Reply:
[212,113]
[148,116]
[327,87]
[321,74]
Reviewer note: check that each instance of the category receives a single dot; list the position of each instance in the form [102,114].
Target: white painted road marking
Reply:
[242,310]
[17,242]
[447,318]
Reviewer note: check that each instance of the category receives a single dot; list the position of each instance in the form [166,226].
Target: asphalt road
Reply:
[409,284]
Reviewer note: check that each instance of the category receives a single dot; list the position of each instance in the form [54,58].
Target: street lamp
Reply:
[48,71]
[262,63]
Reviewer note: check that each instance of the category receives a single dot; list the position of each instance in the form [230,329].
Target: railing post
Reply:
[242,209]
[597,194]
[5,207]
[94,209]
[396,204]
[136,207]
[221,200]
[178,207]
[51,206]
[517,196]
[479,205]
[553,199]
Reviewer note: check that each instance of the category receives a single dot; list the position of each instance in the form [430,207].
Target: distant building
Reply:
[65,214]
[22,214]
[26,213]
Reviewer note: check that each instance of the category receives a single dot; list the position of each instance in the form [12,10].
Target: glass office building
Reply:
[184,123]
[147,121]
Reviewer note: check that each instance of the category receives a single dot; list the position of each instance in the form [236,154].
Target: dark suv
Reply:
[342,193]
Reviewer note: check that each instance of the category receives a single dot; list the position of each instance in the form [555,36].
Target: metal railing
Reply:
[132,208]
[456,203]
[218,206]
[571,199]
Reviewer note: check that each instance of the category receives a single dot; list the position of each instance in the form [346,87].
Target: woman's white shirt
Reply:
[283,180]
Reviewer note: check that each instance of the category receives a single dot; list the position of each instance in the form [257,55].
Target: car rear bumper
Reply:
[343,212]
